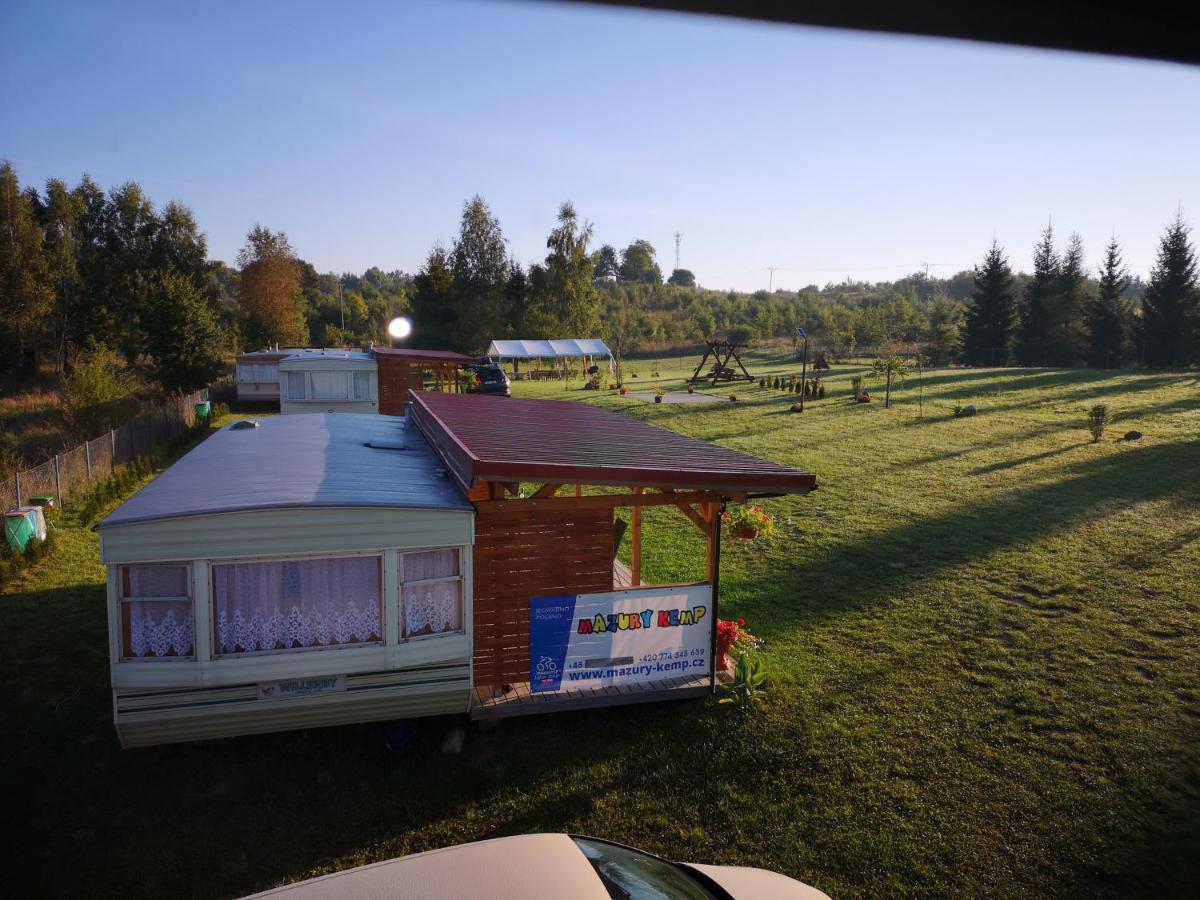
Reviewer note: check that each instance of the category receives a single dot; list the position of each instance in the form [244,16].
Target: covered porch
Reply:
[547,479]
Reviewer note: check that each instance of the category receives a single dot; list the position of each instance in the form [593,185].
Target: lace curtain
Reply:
[434,607]
[157,627]
[301,603]
[328,385]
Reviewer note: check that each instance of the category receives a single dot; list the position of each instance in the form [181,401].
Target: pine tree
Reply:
[1107,313]
[1067,339]
[1036,341]
[1172,303]
[991,318]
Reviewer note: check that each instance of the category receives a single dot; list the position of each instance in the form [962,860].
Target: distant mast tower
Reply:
[677,238]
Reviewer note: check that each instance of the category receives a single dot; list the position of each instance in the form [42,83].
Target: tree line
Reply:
[81,267]
[1059,317]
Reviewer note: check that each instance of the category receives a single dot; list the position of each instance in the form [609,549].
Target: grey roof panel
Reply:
[295,461]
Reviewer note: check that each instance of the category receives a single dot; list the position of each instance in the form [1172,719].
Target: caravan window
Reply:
[156,612]
[431,593]
[329,386]
[295,385]
[362,385]
[308,604]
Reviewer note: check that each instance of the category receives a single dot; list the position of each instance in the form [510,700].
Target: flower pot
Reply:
[745,533]
[864,398]
[691,390]
[623,392]
[658,398]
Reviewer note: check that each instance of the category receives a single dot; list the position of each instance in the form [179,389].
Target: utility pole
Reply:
[677,249]
[771,280]
[341,305]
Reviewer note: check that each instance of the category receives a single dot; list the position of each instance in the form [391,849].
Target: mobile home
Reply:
[311,570]
[322,569]
[342,381]
[258,374]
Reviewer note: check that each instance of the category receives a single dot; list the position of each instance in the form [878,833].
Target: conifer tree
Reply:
[991,317]
[1172,303]
[1037,312]
[1067,338]
[1107,313]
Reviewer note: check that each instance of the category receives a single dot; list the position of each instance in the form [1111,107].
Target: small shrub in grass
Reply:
[749,681]
[762,382]
[821,392]
[856,386]
[1098,419]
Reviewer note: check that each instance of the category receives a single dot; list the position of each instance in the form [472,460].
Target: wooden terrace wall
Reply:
[535,553]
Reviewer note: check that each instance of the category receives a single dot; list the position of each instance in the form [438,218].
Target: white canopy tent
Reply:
[571,348]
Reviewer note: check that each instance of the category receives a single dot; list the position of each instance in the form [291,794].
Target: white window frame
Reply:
[289,384]
[462,590]
[363,378]
[123,600]
[384,606]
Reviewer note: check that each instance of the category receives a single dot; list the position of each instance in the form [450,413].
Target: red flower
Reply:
[741,623]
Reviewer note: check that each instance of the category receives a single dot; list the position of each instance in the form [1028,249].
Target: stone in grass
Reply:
[969,410]
[1133,435]
[452,743]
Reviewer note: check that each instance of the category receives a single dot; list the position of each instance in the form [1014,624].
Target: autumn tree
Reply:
[270,290]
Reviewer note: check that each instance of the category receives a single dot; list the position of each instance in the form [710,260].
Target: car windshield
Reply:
[629,874]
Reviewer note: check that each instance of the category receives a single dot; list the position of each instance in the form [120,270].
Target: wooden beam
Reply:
[695,517]
[546,490]
[714,526]
[635,568]
[601,501]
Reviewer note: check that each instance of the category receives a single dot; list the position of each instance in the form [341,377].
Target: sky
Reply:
[361,128]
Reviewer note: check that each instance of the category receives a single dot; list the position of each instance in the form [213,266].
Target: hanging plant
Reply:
[750,522]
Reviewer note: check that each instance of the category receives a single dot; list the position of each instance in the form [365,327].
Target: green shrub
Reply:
[821,392]
[95,395]
[856,386]
[1098,419]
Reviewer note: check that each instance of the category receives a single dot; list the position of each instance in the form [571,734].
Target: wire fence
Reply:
[86,465]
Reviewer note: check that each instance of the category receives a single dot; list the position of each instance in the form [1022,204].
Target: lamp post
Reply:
[803,335]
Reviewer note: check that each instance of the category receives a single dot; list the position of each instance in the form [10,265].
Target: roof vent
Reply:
[383,443]
[243,424]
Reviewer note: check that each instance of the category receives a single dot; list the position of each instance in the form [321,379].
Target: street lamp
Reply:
[803,335]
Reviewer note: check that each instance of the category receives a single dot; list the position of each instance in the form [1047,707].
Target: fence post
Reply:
[18,477]
[87,458]
[58,495]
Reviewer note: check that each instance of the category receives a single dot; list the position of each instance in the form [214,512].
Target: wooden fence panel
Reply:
[518,557]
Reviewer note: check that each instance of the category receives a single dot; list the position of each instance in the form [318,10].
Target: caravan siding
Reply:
[209,684]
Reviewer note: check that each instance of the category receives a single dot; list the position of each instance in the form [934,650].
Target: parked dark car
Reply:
[492,379]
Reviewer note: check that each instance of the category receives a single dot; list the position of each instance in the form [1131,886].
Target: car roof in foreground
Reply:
[524,867]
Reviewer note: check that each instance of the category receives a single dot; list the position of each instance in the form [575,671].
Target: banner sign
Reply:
[619,637]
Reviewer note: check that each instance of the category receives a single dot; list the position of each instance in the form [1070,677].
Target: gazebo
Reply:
[587,349]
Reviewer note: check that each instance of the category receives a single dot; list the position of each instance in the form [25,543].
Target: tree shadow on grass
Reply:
[1026,460]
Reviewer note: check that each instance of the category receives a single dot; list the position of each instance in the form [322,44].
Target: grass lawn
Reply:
[983,633]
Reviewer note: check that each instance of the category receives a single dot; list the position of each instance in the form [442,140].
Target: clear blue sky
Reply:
[360,129]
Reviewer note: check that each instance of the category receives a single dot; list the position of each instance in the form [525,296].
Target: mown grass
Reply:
[984,641]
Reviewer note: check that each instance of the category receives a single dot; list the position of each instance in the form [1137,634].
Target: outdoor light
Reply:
[399,328]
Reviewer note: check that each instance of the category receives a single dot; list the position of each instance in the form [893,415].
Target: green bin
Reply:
[203,409]
[19,529]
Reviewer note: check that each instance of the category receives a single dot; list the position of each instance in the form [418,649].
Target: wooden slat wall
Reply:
[531,554]
[396,378]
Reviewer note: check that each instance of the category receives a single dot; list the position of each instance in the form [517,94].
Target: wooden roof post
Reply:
[635,569]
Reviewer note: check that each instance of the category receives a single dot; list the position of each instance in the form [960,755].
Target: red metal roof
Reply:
[482,438]
[432,355]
